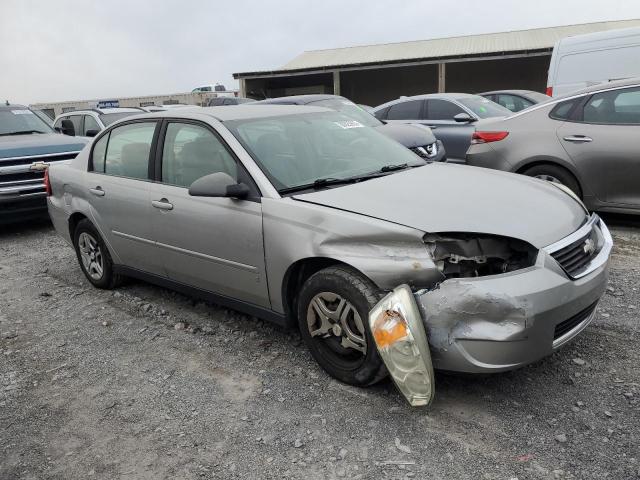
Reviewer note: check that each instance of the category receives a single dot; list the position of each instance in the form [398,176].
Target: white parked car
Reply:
[90,122]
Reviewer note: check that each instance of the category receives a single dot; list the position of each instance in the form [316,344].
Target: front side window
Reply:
[127,151]
[616,107]
[90,124]
[442,109]
[409,110]
[191,152]
[295,150]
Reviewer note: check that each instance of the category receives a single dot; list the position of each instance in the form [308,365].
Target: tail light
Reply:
[487,137]
[47,183]
[550,91]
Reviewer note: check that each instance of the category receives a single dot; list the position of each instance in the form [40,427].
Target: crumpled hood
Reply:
[39,144]
[408,135]
[457,198]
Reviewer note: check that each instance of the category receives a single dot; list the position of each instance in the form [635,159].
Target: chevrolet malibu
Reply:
[305,217]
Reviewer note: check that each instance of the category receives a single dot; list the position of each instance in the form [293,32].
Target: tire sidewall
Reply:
[368,370]
[107,275]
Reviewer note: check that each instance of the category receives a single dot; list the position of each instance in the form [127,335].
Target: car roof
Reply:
[242,112]
[442,96]
[510,92]
[300,99]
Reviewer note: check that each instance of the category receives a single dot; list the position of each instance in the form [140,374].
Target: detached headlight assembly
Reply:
[400,337]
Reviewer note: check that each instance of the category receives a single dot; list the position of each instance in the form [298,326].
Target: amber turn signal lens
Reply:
[388,328]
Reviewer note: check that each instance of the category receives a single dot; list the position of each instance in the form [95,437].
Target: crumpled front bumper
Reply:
[502,322]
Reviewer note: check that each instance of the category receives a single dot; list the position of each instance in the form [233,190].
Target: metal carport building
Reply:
[374,74]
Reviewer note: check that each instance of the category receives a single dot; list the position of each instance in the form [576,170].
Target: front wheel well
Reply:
[296,275]
[539,163]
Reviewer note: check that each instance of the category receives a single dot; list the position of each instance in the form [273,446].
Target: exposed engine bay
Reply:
[462,255]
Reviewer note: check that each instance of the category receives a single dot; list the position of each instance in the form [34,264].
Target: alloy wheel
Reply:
[91,255]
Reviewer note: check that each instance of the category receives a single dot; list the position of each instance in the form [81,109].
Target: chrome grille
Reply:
[584,250]
[17,178]
[426,151]
[576,255]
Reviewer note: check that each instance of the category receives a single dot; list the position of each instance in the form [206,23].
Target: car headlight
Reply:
[399,334]
[476,255]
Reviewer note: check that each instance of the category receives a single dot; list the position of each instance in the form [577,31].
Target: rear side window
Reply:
[563,110]
[382,114]
[127,151]
[442,110]
[409,110]
[616,107]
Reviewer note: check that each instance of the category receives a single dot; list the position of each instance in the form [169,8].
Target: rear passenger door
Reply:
[404,112]
[603,140]
[118,190]
[215,244]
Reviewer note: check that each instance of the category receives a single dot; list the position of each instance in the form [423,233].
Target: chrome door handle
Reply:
[578,138]
[98,191]
[162,204]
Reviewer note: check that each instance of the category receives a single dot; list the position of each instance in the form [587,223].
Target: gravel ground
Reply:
[145,383]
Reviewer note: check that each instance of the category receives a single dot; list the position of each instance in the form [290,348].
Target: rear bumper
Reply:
[60,220]
[504,322]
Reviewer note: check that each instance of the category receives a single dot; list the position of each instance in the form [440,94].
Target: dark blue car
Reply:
[27,146]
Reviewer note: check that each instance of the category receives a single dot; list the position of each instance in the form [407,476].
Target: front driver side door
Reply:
[456,136]
[215,244]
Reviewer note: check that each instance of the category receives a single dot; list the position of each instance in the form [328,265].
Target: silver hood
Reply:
[456,198]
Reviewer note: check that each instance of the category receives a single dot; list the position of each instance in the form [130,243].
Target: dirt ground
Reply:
[143,383]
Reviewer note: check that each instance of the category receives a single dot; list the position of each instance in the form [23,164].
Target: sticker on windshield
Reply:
[349,124]
[22,112]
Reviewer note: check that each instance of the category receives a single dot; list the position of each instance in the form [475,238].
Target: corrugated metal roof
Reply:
[490,43]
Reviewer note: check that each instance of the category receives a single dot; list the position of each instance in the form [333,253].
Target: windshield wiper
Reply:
[21,132]
[319,183]
[392,168]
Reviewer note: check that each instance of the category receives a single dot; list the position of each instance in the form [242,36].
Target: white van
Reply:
[585,60]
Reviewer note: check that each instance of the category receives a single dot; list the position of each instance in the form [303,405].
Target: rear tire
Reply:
[555,173]
[333,307]
[93,256]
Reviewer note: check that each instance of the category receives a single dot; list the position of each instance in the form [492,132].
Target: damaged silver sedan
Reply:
[388,264]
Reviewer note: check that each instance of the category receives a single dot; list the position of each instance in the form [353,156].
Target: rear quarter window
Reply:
[564,110]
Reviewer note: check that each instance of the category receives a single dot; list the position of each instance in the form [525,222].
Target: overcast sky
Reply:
[54,50]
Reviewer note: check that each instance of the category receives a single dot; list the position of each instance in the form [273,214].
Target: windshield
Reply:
[295,150]
[109,118]
[350,109]
[483,107]
[17,120]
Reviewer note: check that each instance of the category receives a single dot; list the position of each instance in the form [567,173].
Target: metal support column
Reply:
[442,73]
[336,82]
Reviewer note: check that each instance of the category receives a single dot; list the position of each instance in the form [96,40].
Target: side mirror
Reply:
[464,118]
[218,185]
[67,127]
[92,132]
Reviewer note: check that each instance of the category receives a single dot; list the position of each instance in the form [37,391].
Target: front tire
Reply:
[93,256]
[333,308]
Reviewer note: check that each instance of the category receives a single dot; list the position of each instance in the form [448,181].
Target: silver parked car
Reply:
[298,215]
[516,100]
[587,141]
[451,117]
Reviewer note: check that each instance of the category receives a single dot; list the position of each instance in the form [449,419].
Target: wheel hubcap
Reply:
[330,316]
[548,178]
[91,255]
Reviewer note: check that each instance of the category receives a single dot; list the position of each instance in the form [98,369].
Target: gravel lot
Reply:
[144,383]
